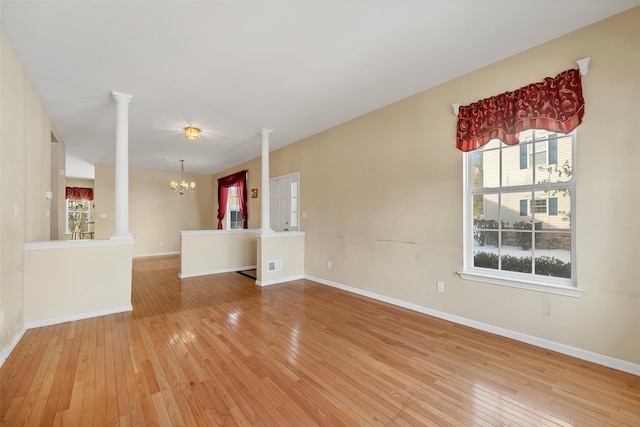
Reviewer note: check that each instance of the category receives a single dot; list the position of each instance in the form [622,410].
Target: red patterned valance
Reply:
[555,104]
[79,193]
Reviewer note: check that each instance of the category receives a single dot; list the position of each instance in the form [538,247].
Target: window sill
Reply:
[558,289]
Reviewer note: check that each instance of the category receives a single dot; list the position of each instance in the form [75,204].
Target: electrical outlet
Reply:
[328,264]
[440,286]
[1,317]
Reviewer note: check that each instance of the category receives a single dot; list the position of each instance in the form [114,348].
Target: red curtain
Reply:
[555,104]
[239,179]
[78,193]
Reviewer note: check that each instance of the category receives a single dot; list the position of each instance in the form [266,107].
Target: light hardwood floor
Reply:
[217,350]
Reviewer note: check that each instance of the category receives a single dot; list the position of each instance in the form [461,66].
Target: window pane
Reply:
[537,153]
[515,207]
[541,157]
[485,208]
[525,136]
[553,254]
[559,168]
[515,249]
[517,218]
[517,260]
[235,220]
[477,169]
[485,226]
[484,237]
[515,165]
[553,209]
[233,202]
[485,259]
[75,220]
[485,166]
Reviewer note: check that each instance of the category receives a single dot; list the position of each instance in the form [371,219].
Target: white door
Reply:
[283,202]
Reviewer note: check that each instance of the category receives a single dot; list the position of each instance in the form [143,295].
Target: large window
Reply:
[519,210]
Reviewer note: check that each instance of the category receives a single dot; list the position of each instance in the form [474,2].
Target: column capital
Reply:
[121,97]
[266,132]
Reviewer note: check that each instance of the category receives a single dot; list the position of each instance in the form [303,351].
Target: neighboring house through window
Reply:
[519,211]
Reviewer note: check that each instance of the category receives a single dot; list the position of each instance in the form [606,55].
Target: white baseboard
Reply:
[158,254]
[600,359]
[225,270]
[7,349]
[77,316]
[276,281]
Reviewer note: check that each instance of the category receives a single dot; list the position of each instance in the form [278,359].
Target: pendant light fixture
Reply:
[183,186]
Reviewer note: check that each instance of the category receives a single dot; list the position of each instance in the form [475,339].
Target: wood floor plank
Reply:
[219,351]
[51,406]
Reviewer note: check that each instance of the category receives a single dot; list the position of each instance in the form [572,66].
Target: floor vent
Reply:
[274,265]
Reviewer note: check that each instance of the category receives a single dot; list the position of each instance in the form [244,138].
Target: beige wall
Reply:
[156,213]
[79,182]
[383,197]
[58,203]
[286,248]
[90,278]
[25,177]
[216,251]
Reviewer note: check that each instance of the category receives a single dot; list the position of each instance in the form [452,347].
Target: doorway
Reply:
[284,202]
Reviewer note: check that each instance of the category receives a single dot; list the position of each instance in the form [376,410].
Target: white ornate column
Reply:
[265,215]
[121,219]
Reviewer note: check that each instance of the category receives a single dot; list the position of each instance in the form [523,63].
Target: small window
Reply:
[234,217]
[539,206]
[537,153]
[78,214]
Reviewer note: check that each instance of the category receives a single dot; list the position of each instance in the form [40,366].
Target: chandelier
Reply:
[192,134]
[183,186]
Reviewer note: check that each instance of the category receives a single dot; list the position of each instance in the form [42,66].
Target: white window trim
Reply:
[520,283]
[551,285]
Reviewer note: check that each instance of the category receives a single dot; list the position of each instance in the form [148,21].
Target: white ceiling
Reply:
[234,67]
